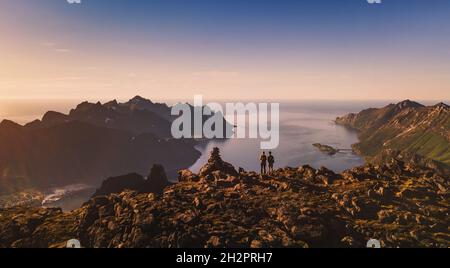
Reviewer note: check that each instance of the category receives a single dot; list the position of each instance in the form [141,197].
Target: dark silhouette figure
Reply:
[263,160]
[271,161]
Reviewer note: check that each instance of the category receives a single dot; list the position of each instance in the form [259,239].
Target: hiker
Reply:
[263,159]
[271,161]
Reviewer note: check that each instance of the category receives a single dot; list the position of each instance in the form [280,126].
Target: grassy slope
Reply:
[377,132]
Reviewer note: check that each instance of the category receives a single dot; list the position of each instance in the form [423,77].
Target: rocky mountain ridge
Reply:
[137,116]
[405,126]
[403,204]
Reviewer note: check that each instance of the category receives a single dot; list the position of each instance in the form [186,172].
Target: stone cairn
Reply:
[215,163]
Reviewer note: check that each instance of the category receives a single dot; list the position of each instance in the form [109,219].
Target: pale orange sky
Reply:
[40,59]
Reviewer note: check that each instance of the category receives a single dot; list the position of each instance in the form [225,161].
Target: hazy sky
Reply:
[225,49]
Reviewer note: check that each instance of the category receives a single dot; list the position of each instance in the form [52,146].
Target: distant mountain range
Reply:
[406,126]
[92,142]
[138,115]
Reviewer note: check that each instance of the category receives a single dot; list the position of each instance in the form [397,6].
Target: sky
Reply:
[225,49]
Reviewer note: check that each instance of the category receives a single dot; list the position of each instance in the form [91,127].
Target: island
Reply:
[326,149]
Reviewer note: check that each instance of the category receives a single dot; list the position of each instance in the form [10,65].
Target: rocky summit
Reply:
[402,204]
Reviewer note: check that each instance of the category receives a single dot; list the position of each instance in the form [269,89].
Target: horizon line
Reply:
[157,99]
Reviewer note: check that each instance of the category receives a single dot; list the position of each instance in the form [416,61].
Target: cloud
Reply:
[48,44]
[55,47]
[63,50]
[216,74]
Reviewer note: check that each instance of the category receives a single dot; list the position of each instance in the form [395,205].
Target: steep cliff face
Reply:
[406,126]
[403,204]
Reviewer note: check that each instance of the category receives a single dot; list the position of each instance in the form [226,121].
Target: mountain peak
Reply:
[8,124]
[112,103]
[442,105]
[54,117]
[408,104]
[85,105]
[138,99]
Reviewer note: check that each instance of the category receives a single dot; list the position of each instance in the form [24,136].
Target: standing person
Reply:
[271,161]
[263,159]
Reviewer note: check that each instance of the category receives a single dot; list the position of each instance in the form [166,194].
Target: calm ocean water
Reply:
[301,125]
